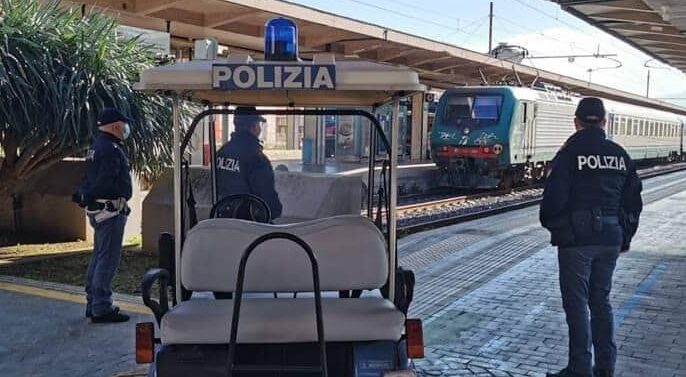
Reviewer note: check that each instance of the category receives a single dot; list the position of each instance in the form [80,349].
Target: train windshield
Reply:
[473,109]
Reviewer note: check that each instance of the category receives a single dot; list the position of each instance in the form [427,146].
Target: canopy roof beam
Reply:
[146,7]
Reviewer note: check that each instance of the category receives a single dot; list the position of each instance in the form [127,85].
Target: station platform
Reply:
[489,295]
[487,291]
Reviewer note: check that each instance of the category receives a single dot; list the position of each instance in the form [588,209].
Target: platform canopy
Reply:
[656,27]
[239,25]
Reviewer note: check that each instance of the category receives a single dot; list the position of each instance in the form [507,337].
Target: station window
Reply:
[623,130]
[652,128]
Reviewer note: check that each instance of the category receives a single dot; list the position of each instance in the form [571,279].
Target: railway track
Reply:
[413,218]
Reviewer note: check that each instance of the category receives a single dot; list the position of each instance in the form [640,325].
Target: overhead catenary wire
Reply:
[402,14]
[626,48]
[633,79]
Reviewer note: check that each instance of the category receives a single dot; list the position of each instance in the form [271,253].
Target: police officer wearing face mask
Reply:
[242,167]
[104,191]
[591,205]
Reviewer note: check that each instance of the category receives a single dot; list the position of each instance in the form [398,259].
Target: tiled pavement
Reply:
[509,321]
[486,289]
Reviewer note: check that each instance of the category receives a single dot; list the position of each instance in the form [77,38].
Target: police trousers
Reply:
[104,262]
[585,283]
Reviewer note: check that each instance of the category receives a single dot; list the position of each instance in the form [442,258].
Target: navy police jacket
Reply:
[108,175]
[242,168]
[592,195]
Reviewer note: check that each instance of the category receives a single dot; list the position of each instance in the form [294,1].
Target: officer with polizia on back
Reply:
[242,166]
[591,206]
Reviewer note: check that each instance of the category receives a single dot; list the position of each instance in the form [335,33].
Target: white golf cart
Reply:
[318,297]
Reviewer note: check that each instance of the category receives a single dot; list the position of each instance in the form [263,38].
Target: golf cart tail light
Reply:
[280,40]
[415,338]
[145,343]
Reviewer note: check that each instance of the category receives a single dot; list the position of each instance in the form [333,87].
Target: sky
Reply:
[540,26]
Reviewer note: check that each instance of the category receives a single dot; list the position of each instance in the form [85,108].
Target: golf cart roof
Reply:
[239,80]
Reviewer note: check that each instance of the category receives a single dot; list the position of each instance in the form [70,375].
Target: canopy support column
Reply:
[418,126]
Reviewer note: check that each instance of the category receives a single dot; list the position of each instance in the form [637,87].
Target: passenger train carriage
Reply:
[490,136]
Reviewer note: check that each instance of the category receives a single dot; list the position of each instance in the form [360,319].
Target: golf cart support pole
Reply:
[390,146]
[393,193]
[370,172]
[178,227]
[213,157]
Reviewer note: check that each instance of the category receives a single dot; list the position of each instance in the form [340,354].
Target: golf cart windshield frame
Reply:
[376,130]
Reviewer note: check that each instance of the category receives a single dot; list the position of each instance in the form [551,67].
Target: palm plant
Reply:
[58,68]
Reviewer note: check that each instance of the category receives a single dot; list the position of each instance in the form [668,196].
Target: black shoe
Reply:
[564,373]
[111,317]
[89,313]
[600,372]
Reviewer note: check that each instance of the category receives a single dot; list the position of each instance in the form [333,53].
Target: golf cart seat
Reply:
[351,255]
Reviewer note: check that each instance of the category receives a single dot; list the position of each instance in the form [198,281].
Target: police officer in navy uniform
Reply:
[242,167]
[591,205]
[104,191]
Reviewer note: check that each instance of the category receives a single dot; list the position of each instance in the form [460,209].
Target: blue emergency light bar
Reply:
[280,40]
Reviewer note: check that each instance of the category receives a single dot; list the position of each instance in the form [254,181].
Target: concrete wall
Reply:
[304,196]
[48,212]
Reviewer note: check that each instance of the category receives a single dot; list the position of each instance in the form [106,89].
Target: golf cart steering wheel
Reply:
[242,206]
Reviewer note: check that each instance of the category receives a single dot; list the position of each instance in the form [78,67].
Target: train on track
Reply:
[499,136]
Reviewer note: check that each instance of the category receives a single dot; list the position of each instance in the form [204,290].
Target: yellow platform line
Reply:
[66,296]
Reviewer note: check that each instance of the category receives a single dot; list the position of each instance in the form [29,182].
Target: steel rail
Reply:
[498,209]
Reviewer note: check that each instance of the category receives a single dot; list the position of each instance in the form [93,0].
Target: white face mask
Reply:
[127,131]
